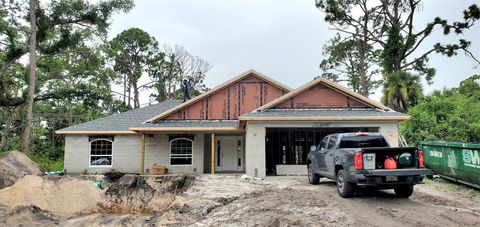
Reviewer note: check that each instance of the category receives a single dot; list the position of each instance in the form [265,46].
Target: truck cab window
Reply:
[323,144]
[332,142]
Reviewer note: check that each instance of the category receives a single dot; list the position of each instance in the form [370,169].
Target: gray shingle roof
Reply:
[309,113]
[191,124]
[123,121]
[135,118]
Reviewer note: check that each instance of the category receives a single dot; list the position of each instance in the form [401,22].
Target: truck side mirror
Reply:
[313,148]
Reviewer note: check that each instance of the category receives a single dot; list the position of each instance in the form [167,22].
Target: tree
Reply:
[61,24]
[341,65]
[402,42]
[31,75]
[171,67]
[470,87]
[190,67]
[130,51]
[390,25]
[355,50]
[63,28]
[402,90]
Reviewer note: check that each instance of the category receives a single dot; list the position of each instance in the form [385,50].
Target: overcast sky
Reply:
[281,38]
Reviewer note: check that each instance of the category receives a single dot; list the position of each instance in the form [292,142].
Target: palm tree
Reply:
[402,90]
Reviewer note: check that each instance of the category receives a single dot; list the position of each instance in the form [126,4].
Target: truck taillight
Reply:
[421,159]
[358,161]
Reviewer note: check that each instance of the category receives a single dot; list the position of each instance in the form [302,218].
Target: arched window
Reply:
[181,152]
[101,153]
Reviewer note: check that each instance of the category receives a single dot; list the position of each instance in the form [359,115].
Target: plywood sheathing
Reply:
[319,96]
[229,100]
[321,93]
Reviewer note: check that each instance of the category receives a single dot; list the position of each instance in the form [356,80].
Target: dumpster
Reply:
[455,161]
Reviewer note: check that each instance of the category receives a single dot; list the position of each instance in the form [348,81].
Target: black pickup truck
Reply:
[356,160]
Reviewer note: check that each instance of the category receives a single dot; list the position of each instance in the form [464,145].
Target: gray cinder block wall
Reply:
[126,154]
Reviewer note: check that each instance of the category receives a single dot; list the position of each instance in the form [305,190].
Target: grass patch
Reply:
[448,185]
[47,164]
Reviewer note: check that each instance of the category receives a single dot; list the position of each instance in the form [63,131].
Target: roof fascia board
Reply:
[94,132]
[190,129]
[329,84]
[215,89]
[370,118]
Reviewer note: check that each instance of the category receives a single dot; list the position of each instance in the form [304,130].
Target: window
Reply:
[323,144]
[363,141]
[181,152]
[332,142]
[101,153]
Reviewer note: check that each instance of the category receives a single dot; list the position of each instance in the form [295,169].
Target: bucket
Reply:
[158,169]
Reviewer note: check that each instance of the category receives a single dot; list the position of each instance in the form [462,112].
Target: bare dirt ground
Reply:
[227,200]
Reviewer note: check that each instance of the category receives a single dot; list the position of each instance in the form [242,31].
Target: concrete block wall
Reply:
[157,150]
[255,150]
[126,154]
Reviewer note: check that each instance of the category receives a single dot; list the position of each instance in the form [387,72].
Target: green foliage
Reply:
[170,67]
[402,90]
[392,51]
[46,163]
[402,40]
[341,64]
[63,25]
[73,82]
[391,25]
[131,51]
[448,115]
[74,74]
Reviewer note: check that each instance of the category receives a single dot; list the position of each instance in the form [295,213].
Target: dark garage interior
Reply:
[290,146]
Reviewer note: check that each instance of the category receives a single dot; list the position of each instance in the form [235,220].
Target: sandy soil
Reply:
[224,200]
[13,166]
[64,195]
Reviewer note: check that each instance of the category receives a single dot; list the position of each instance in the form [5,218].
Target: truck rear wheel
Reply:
[313,178]
[404,191]
[345,189]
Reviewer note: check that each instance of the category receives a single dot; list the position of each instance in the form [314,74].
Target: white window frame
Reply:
[170,151]
[90,155]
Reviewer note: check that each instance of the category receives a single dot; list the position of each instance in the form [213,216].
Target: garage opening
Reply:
[287,148]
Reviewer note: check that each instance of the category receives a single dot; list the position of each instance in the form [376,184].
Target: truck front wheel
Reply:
[313,178]
[345,189]
[404,191]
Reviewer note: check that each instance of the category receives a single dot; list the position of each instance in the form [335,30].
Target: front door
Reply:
[229,153]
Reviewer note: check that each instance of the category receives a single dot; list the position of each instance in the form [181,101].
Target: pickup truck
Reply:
[357,160]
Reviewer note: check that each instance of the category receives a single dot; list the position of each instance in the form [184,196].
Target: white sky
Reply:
[281,38]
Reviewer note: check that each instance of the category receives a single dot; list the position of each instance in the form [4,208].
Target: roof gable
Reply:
[229,100]
[322,93]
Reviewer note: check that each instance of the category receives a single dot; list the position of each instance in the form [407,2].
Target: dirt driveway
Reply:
[228,200]
[433,204]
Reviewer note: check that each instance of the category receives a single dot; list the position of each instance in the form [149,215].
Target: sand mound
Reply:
[13,166]
[65,195]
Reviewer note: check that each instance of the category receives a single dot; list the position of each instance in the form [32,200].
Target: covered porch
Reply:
[192,146]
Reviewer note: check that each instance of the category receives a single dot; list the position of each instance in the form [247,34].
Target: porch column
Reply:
[142,154]
[212,153]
